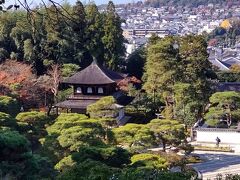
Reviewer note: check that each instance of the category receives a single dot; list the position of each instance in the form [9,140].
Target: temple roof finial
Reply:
[94,60]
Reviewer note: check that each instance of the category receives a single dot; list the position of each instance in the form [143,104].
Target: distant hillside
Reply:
[192,3]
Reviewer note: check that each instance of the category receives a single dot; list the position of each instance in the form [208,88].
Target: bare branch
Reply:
[55,74]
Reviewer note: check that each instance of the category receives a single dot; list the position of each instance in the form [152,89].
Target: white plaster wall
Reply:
[120,114]
[225,137]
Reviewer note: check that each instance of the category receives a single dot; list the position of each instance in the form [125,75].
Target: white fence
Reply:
[209,135]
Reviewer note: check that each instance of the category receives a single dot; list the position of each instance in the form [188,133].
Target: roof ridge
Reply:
[102,71]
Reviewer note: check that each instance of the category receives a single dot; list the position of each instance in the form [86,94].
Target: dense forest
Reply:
[62,34]
[192,3]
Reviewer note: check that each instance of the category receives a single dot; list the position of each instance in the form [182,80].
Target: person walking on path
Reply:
[218,141]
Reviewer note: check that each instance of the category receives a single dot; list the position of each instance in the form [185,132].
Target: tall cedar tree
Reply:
[94,32]
[113,39]
[54,27]
[78,27]
[37,41]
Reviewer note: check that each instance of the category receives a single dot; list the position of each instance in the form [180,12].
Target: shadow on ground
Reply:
[213,162]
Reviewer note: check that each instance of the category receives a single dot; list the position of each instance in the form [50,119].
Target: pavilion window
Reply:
[79,90]
[89,90]
[100,90]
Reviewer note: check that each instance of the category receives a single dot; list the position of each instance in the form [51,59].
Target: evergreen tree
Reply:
[161,70]
[20,33]
[113,39]
[195,68]
[224,109]
[136,62]
[94,33]
[38,41]
[54,27]
[179,61]
[78,27]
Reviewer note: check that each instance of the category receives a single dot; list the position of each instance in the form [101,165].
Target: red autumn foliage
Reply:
[124,84]
[12,72]
[18,78]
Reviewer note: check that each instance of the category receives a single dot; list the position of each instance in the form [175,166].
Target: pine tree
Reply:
[195,68]
[181,76]
[161,70]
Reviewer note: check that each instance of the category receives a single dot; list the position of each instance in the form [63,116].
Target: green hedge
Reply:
[9,105]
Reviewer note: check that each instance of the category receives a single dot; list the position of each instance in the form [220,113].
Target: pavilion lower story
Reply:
[74,106]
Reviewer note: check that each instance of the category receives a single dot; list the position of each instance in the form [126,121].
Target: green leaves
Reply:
[81,147]
[89,169]
[149,161]
[17,161]
[65,121]
[227,97]
[69,69]
[113,39]
[12,141]
[224,108]
[167,131]
[160,66]
[138,136]
[71,34]
[179,75]
[103,108]
[33,118]
[73,131]
[75,137]
[9,105]
[134,135]
[6,121]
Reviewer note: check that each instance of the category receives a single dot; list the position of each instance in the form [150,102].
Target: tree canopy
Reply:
[224,109]
[104,107]
[62,34]
[177,70]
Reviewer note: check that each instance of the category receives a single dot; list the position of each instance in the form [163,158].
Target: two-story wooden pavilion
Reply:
[89,85]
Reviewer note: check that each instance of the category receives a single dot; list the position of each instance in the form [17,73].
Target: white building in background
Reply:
[130,48]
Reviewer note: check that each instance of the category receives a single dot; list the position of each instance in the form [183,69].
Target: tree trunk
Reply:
[229,119]
[164,145]
[49,109]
